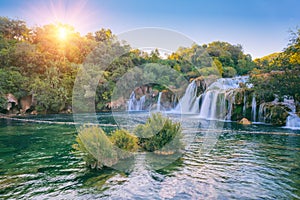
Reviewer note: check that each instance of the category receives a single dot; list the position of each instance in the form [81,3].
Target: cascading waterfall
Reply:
[208,107]
[158,102]
[186,103]
[196,106]
[262,113]
[253,111]
[293,121]
[135,104]
[213,101]
[230,98]
[218,102]
[244,106]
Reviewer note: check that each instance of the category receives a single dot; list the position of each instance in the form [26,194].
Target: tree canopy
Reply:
[43,61]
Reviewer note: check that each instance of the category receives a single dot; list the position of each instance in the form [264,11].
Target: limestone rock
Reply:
[244,121]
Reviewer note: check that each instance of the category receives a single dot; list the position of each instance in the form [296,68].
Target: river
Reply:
[246,162]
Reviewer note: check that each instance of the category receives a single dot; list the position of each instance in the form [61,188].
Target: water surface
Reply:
[246,162]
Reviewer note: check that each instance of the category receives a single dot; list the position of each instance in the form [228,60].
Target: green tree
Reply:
[13,29]
[51,91]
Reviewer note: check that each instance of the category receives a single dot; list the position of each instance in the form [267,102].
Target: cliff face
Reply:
[14,105]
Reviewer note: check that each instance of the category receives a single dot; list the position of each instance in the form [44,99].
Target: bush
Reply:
[125,142]
[159,133]
[96,148]
[207,71]
[229,72]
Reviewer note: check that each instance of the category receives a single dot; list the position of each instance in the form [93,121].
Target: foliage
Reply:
[37,61]
[229,72]
[11,82]
[97,150]
[125,142]
[159,133]
[279,74]
[219,55]
[13,29]
[52,92]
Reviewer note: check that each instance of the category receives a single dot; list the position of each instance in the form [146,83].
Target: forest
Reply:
[41,64]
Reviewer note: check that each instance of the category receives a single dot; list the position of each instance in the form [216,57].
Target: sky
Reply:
[261,26]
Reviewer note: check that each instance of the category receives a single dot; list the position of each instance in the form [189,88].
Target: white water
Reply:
[136,104]
[209,108]
[213,101]
[293,121]
[196,104]
[186,103]
[253,105]
[230,99]
[158,102]
[244,106]
[217,102]
[262,113]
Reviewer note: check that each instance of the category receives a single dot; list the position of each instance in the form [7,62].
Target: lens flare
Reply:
[62,33]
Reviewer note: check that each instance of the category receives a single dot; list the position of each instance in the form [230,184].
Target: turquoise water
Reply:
[246,162]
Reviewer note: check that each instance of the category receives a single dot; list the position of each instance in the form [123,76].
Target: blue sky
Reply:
[260,26]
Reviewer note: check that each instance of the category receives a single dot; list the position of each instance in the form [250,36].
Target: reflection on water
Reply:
[246,162]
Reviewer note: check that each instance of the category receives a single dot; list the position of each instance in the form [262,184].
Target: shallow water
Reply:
[244,162]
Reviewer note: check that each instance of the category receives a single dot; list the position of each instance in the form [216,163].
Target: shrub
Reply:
[159,133]
[229,72]
[96,148]
[125,142]
[207,71]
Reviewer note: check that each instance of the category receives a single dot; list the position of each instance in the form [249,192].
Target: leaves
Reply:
[159,133]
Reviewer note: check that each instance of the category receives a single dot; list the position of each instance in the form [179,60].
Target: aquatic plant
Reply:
[125,143]
[96,148]
[159,133]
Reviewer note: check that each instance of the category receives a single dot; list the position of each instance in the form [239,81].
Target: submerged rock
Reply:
[244,121]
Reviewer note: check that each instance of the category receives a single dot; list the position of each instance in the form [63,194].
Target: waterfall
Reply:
[230,98]
[130,102]
[262,113]
[213,104]
[293,121]
[253,111]
[135,104]
[207,104]
[158,102]
[244,106]
[196,105]
[186,103]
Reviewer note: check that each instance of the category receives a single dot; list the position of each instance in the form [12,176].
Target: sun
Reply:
[62,33]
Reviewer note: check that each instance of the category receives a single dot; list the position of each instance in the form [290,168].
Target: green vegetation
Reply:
[39,61]
[278,75]
[125,142]
[43,63]
[159,134]
[97,150]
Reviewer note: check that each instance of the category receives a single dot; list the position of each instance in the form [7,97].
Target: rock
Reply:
[34,112]
[244,121]
[165,153]
[11,98]
[26,103]
[11,104]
